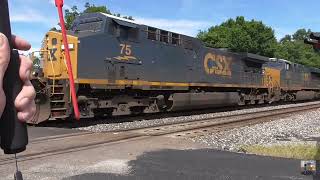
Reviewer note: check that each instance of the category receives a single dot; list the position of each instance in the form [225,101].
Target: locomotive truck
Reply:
[122,67]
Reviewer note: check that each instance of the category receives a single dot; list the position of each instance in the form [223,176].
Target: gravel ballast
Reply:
[301,128]
[106,127]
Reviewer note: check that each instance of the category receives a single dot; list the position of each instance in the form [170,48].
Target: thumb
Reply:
[4,56]
[4,61]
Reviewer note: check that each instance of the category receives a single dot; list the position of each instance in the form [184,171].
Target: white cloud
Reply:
[183,26]
[27,16]
[32,16]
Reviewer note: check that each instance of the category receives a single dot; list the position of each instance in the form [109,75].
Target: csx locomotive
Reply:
[122,67]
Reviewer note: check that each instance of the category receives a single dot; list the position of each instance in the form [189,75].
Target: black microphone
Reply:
[13,133]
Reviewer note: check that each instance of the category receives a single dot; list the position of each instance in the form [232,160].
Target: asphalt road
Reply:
[38,132]
[192,164]
[204,164]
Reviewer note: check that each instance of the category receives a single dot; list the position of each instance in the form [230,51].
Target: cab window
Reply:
[54,41]
[164,36]
[124,32]
[288,68]
[152,33]
[175,39]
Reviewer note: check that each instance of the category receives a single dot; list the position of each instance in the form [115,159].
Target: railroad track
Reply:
[44,147]
[123,119]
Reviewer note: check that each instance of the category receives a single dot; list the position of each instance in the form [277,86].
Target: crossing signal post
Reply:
[314,40]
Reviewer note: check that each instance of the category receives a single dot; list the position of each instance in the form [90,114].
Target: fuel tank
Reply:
[305,95]
[185,101]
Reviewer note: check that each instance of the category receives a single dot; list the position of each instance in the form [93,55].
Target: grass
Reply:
[297,151]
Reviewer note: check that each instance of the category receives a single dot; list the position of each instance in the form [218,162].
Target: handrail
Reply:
[54,75]
[52,67]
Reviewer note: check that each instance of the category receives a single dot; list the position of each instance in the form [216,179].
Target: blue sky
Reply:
[31,19]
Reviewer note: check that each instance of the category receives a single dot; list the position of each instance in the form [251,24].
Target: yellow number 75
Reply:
[125,48]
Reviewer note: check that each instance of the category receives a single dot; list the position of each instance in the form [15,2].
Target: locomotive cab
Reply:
[54,62]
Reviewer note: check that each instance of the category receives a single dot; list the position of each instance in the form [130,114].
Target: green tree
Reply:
[301,34]
[54,29]
[70,16]
[240,35]
[36,62]
[92,9]
[286,38]
[292,48]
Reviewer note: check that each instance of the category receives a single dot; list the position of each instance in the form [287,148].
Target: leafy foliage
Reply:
[93,9]
[70,16]
[239,35]
[36,62]
[292,48]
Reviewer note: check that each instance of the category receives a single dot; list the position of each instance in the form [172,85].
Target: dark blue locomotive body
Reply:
[123,67]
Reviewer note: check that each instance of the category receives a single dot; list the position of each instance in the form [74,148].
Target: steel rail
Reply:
[83,141]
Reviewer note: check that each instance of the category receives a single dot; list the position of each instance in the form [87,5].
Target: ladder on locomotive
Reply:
[58,99]
[274,89]
[59,96]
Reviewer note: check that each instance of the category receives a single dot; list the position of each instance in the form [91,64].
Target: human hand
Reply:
[24,102]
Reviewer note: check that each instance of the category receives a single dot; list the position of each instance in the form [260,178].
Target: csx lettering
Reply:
[126,49]
[217,64]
